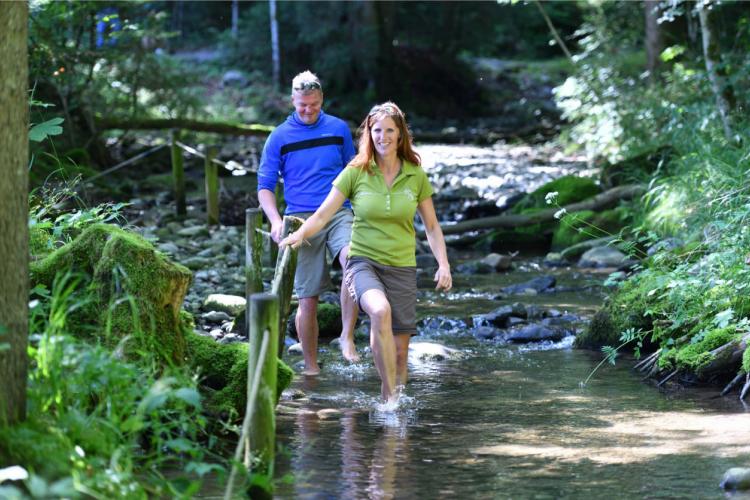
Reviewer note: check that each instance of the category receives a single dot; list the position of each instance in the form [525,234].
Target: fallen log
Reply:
[601,201]
[228,128]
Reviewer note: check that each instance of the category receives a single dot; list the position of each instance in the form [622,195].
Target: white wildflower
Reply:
[560,213]
[551,197]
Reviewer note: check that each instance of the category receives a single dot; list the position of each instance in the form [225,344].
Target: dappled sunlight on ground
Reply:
[632,437]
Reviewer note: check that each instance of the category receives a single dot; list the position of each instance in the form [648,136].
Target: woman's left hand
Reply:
[443,279]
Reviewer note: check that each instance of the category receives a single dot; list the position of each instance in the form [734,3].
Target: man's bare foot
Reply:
[348,349]
[311,372]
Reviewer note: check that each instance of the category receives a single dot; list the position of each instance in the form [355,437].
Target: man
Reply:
[308,151]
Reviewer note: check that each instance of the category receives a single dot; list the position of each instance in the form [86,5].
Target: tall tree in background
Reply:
[385,18]
[275,57]
[235,18]
[654,39]
[716,73]
[14,243]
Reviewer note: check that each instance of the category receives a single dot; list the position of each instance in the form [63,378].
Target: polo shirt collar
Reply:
[407,168]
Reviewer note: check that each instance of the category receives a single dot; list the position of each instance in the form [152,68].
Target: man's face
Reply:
[308,105]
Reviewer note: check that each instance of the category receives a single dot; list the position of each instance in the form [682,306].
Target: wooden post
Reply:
[253,251]
[264,313]
[178,174]
[212,187]
[283,278]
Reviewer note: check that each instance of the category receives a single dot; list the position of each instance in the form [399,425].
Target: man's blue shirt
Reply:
[308,158]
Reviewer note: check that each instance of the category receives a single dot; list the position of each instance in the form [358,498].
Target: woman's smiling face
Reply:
[385,136]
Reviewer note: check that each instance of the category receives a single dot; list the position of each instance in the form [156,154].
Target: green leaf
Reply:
[41,131]
[671,52]
[723,318]
[180,445]
[188,395]
[202,468]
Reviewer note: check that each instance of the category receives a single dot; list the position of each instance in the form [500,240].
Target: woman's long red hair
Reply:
[366,150]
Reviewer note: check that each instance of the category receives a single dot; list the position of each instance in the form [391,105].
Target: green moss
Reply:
[746,361]
[585,225]
[329,321]
[135,291]
[569,189]
[31,444]
[636,169]
[223,368]
[695,356]
[599,332]
[40,242]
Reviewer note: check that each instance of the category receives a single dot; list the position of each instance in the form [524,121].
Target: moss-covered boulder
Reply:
[587,225]
[132,291]
[637,169]
[599,332]
[569,189]
[223,368]
[329,321]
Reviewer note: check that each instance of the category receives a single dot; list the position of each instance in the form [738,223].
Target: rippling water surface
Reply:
[504,421]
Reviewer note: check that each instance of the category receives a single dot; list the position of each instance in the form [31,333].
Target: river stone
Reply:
[168,248]
[474,267]
[193,231]
[736,478]
[295,349]
[535,333]
[216,316]
[602,257]
[538,285]
[328,413]
[430,351]
[498,262]
[426,261]
[486,332]
[195,263]
[554,259]
[230,304]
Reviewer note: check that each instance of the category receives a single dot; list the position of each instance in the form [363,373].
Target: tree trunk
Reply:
[716,75]
[275,53]
[385,13]
[235,18]
[14,244]
[599,202]
[654,41]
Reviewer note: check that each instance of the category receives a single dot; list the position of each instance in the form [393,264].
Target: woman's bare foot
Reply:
[348,349]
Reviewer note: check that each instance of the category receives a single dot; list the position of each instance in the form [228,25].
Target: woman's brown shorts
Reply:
[399,284]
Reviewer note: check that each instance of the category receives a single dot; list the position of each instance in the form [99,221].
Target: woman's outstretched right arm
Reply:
[316,221]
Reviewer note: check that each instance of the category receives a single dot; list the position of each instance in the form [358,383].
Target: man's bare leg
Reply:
[306,322]
[349,314]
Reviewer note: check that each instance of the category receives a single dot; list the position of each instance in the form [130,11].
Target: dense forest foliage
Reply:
[653,93]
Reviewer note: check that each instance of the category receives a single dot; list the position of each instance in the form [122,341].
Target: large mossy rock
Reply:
[132,291]
[569,189]
[637,169]
[587,225]
[329,321]
[223,368]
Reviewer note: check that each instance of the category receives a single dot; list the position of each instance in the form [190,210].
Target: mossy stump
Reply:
[133,291]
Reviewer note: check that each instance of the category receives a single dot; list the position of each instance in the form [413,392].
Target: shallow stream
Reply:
[504,421]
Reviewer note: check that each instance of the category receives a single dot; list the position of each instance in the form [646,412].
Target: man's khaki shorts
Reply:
[399,284]
[313,272]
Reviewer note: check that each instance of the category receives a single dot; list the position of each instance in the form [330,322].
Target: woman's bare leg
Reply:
[402,358]
[375,304]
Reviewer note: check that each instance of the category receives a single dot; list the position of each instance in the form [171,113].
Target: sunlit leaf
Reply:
[41,131]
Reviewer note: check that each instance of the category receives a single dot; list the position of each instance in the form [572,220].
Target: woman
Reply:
[386,186]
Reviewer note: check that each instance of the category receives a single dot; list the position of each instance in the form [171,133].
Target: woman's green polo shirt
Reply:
[383,227]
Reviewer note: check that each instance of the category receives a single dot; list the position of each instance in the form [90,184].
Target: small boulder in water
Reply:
[230,304]
[602,257]
[430,351]
[535,333]
[295,349]
[538,285]
[736,478]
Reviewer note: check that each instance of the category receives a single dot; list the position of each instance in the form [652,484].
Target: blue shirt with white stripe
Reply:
[308,158]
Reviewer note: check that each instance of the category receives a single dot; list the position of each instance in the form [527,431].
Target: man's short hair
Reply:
[305,83]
